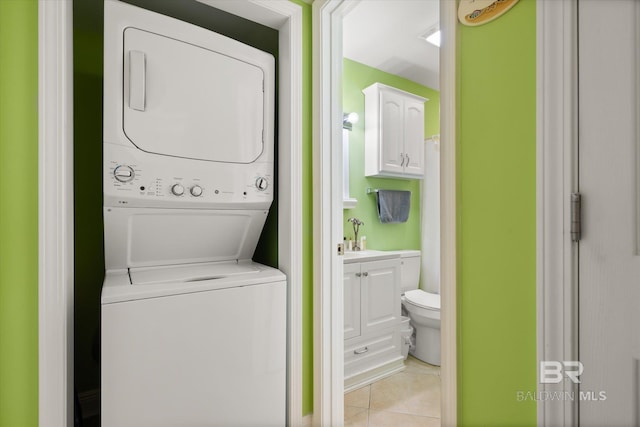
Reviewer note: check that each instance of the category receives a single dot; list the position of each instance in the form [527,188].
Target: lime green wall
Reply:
[307,213]
[356,77]
[19,213]
[496,229]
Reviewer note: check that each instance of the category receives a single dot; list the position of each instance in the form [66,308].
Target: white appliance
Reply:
[193,331]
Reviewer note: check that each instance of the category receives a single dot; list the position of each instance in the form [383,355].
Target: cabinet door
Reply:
[391,132]
[351,286]
[414,137]
[380,292]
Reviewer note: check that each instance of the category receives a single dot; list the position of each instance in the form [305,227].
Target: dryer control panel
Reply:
[138,179]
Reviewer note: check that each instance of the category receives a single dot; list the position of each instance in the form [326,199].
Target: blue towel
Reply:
[393,206]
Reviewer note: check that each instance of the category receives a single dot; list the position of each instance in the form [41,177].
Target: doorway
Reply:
[403,71]
[329,17]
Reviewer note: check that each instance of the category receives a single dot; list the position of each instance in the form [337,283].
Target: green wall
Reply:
[496,228]
[307,213]
[19,213]
[357,76]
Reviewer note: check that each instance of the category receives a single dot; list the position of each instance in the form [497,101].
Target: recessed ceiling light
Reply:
[432,36]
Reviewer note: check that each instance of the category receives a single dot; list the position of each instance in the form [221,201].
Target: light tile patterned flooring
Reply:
[410,398]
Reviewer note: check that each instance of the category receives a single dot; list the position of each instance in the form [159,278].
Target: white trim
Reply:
[448,212]
[56,208]
[328,378]
[55,213]
[328,298]
[376,374]
[557,303]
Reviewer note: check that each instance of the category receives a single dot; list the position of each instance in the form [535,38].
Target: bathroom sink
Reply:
[368,255]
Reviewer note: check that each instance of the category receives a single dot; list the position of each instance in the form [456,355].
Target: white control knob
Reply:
[124,173]
[177,189]
[262,183]
[196,191]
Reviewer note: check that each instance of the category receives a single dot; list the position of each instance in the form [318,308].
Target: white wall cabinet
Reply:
[394,132]
[372,319]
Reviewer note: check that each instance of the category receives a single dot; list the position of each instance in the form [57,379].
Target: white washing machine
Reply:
[193,331]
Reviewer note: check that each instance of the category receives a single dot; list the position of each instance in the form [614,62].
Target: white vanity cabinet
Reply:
[371,319]
[352,290]
[394,132]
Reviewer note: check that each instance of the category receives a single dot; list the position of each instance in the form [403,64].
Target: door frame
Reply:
[557,178]
[327,167]
[55,198]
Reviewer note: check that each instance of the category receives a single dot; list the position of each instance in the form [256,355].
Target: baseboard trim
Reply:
[373,375]
[90,403]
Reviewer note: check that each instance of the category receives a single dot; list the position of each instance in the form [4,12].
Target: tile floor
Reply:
[410,398]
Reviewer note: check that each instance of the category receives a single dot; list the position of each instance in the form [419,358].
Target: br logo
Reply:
[553,372]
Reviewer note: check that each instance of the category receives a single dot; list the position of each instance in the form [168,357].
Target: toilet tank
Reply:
[410,270]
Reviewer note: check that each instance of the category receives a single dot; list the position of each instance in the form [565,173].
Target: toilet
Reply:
[423,309]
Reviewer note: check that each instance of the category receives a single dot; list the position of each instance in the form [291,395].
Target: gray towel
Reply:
[393,205]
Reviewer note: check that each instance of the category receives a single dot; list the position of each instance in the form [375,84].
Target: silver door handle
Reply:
[408,160]
[402,162]
[137,80]
[361,350]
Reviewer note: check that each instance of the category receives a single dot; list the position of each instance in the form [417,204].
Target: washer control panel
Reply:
[130,179]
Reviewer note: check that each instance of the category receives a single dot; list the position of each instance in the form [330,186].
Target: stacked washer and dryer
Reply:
[193,331]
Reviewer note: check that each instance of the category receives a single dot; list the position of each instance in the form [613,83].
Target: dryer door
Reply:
[186,101]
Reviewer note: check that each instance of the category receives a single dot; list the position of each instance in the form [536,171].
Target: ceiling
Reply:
[384,34]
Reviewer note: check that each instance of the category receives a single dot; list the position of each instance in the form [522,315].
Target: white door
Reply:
[391,132]
[351,285]
[213,111]
[380,292]
[414,137]
[609,180]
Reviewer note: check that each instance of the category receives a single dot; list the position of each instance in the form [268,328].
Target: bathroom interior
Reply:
[391,214]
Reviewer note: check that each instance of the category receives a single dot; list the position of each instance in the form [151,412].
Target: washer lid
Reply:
[190,272]
[423,299]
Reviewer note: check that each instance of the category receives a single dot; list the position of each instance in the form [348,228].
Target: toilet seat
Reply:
[423,299]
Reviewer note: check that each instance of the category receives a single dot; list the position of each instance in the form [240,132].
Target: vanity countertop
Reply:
[368,255]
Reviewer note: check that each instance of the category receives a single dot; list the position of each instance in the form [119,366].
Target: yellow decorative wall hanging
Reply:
[478,12]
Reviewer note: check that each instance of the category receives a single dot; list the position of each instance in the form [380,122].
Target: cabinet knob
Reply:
[358,274]
[365,274]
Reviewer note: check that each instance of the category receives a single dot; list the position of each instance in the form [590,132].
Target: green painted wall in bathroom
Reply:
[19,213]
[497,222]
[357,76]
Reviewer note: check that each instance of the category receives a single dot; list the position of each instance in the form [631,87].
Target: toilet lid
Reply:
[423,299]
